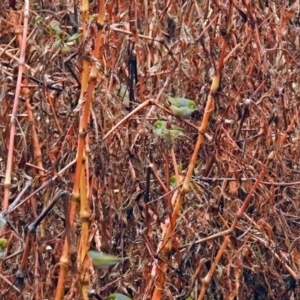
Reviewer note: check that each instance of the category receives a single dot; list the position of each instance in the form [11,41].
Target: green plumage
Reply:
[182,107]
[103,260]
[118,297]
[3,246]
[2,222]
[123,92]
[160,129]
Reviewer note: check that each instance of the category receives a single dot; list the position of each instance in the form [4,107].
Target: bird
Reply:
[118,297]
[3,246]
[193,184]
[123,92]
[173,180]
[2,222]
[182,107]
[103,260]
[170,134]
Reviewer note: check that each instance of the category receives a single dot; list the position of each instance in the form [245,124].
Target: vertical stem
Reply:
[7,181]
[80,163]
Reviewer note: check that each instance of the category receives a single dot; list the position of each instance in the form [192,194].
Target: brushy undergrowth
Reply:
[177,50]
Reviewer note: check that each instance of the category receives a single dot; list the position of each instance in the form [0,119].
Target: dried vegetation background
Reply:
[251,147]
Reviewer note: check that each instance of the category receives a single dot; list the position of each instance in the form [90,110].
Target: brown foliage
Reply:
[177,46]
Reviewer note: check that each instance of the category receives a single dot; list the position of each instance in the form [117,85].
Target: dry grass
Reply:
[256,110]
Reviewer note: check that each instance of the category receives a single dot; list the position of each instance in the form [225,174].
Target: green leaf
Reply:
[66,49]
[56,44]
[54,25]
[75,37]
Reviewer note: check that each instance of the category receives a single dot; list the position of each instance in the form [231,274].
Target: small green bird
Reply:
[3,246]
[193,183]
[123,92]
[173,181]
[182,107]
[160,129]
[2,222]
[118,297]
[103,260]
